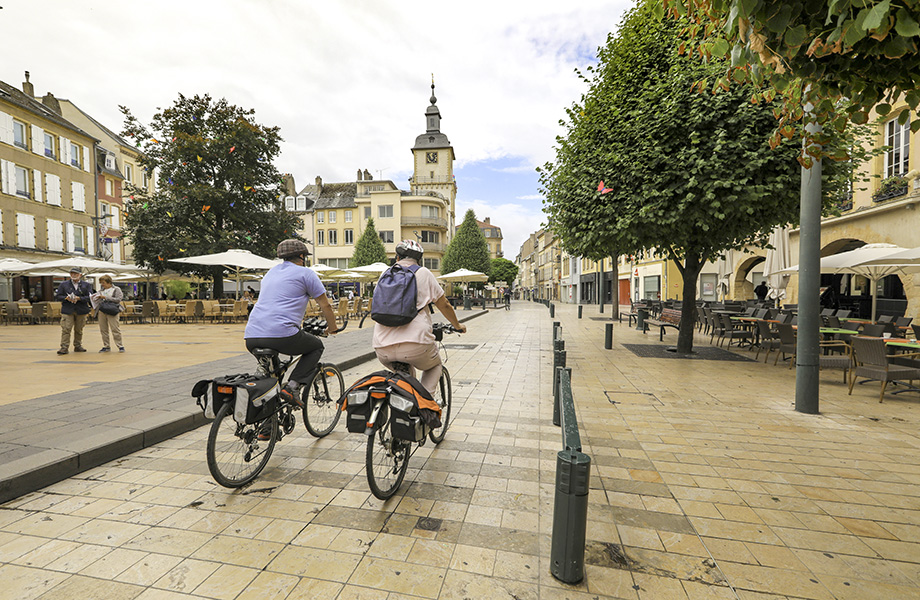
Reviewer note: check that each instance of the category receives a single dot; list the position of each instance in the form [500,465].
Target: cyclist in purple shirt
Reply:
[276,319]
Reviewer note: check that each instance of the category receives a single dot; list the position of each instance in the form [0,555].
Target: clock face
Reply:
[431,157]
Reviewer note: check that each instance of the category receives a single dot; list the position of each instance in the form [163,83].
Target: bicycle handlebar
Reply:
[317,326]
[439,329]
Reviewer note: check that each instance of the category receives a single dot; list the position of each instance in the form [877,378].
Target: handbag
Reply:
[110,308]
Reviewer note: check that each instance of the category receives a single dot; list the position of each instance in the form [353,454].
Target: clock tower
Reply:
[434,160]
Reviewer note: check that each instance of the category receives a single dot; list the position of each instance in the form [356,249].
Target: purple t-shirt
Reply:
[286,290]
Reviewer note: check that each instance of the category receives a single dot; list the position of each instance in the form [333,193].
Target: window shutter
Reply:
[65,150]
[116,217]
[55,235]
[116,251]
[5,186]
[37,185]
[1,226]
[78,193]
[52,189]
[69,238]
[91,241]
[38,140]
[6,128]
[25,227]
[86,159]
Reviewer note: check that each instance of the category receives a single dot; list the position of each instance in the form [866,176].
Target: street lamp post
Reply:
[101,228]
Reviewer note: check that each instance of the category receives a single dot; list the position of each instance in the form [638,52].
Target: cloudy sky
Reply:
[347,81]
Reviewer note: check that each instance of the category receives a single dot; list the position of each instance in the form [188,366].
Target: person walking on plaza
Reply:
[762,290]
[74,296]
[107,302]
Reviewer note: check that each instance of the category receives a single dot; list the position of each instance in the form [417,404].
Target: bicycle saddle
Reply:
[264,352]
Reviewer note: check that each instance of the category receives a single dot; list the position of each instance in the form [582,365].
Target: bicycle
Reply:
[237,452]
[387,457]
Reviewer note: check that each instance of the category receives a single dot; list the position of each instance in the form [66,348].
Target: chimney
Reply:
[319,185]
[27,88]
[367,175]
[486,221]
[51,102]
[359,174]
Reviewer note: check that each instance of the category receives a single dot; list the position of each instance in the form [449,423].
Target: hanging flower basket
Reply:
[891,187]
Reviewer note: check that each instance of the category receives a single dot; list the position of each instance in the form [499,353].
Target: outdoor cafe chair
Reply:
[833,321]
[903,321]
[14,313]
[786,343]
[843,313]
[769,340]
[716,328]
[916,329]
[885,319]
[733,333]
[342,310]
[873,329]
[874,362]
[187,312]
[841,357]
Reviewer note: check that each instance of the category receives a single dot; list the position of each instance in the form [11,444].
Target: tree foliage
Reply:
[217,186]
[369,248]
[648,162]
[844,57]
[503,270]
[468,249]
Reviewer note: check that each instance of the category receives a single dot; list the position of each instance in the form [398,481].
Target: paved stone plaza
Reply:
[705,483]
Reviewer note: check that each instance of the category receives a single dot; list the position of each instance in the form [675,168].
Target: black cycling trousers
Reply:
[303,344]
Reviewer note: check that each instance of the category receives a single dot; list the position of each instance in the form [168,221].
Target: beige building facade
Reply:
[47,185]
[493,235]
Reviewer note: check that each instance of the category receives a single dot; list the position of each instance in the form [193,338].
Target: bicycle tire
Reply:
[321,410]
[443,391]
[386,460]
[235,455]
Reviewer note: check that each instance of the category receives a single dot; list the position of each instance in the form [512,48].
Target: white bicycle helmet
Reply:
[409,248]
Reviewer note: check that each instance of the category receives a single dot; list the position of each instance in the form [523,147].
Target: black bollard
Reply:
[552,310]
[570,516]
[558,362]
[579,310]
[608,336]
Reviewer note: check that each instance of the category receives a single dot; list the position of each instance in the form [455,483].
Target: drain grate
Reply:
[699,353]
[461,346]
[428,524]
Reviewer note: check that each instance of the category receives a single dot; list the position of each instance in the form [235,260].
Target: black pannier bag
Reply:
[411,406]
[253,398]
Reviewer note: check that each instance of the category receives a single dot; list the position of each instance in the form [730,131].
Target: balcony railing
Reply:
[422,179]
[437,222]
[430,247]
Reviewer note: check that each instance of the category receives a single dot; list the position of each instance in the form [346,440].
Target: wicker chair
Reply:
[733,333]
[841,357]
[874,362]
[787,343]
[769,340]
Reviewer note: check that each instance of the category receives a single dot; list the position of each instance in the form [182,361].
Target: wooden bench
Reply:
[669,317]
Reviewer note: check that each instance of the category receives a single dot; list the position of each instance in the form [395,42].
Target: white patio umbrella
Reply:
[368,273]
[90,266]
[726,267]
[464,276]
[235,260]
[11,267]
[778,259]
[325,272]
[906,260]
[859,262]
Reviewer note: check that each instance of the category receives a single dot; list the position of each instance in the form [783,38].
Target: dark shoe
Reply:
[62,351]
[121,348]
[79,349]
[291,397]
[106,350]
[265,433]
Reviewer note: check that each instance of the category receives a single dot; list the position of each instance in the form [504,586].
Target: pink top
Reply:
[419,330]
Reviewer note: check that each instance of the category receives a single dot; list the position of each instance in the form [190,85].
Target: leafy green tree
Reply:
[217,186]
[468,249]
[369,248]
[503,270]
[843,57]
[647,162]
[177,289]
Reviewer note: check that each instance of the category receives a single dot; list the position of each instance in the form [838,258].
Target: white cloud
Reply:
[531,197]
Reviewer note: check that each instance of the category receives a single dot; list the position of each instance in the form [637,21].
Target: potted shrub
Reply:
[891,187]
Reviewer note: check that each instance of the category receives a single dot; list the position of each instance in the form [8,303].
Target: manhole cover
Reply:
[428,524]
[699,353]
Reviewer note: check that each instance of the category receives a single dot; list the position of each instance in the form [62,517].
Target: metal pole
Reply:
[558,363]
[806,357]
[608,336]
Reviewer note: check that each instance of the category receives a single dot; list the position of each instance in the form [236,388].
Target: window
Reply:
[487,233]
[349,237]
[75,150]
[144,180]
[898,137]
[367,212]
[320,237]
[109,187]
[301,203]
[19,135]
[386,237]
[430,237]
[432,264]
[114,219]
[129,173]
[79,239]
[320,217]
[431,212]
[49,145]
[348,216]
[332,216]
[333,237]
[22,182]
[385,211]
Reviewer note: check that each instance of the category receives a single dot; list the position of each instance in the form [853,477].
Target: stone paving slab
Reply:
[705,483]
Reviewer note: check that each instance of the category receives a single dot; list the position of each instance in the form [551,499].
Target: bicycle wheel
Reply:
[386,461]
[442,396]
[236,456]
[321,410]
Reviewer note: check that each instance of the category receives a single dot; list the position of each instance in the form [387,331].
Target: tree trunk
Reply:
[691,274]
[217,273]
